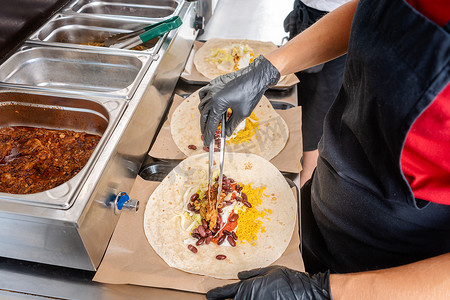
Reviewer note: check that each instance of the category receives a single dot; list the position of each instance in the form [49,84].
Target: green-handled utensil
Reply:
[135,38]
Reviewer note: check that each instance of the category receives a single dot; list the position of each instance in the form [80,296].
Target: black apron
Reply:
[364,215]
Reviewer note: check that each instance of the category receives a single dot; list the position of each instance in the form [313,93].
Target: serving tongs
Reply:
[221,159]
[140,36]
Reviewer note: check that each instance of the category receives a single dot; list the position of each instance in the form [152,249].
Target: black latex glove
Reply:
[275,282]
[240,91]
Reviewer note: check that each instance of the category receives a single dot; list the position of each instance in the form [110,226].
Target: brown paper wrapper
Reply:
[130,259]
[192,76]
[288,160]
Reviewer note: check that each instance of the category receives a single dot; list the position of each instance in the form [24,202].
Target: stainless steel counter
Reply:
[260,20]
[26,280]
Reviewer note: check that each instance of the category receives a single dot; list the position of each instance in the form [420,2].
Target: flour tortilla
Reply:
[268,141]
[166,236]
[209,69]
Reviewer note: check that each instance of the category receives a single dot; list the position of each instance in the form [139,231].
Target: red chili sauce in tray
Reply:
[33,159]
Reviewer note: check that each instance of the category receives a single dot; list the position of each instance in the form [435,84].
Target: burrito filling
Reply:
[242,134]
[236,218]
[232,58]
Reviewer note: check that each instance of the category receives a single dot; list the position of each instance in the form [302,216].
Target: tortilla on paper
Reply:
[269,139]
[209,69]
[162,223]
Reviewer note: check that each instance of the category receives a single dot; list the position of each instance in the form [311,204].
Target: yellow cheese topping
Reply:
[244,135]
[250,219]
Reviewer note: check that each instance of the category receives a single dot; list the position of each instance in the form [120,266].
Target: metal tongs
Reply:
[137,37]
[221,159]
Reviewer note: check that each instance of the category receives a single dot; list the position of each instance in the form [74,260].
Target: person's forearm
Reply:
[323,41]
[426,279]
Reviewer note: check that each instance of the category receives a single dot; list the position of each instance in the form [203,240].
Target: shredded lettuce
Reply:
[232,57]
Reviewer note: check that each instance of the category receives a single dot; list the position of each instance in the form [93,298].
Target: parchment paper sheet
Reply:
[288,160]
[193,76]
[130,259]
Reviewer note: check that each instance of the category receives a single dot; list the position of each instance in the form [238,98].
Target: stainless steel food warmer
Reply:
[115,74]
[83,31]
[137,9]
[54,81]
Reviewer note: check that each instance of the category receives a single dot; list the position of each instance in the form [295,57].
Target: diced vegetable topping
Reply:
[235,219]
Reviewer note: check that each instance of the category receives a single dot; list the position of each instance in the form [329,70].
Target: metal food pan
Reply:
[126,8]
[59,112]
[79,31]
[115,74]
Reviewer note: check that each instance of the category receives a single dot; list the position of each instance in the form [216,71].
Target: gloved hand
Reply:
[240,91]
[275,282]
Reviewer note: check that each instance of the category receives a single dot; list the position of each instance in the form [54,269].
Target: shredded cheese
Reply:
[250,219]
[244,135]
